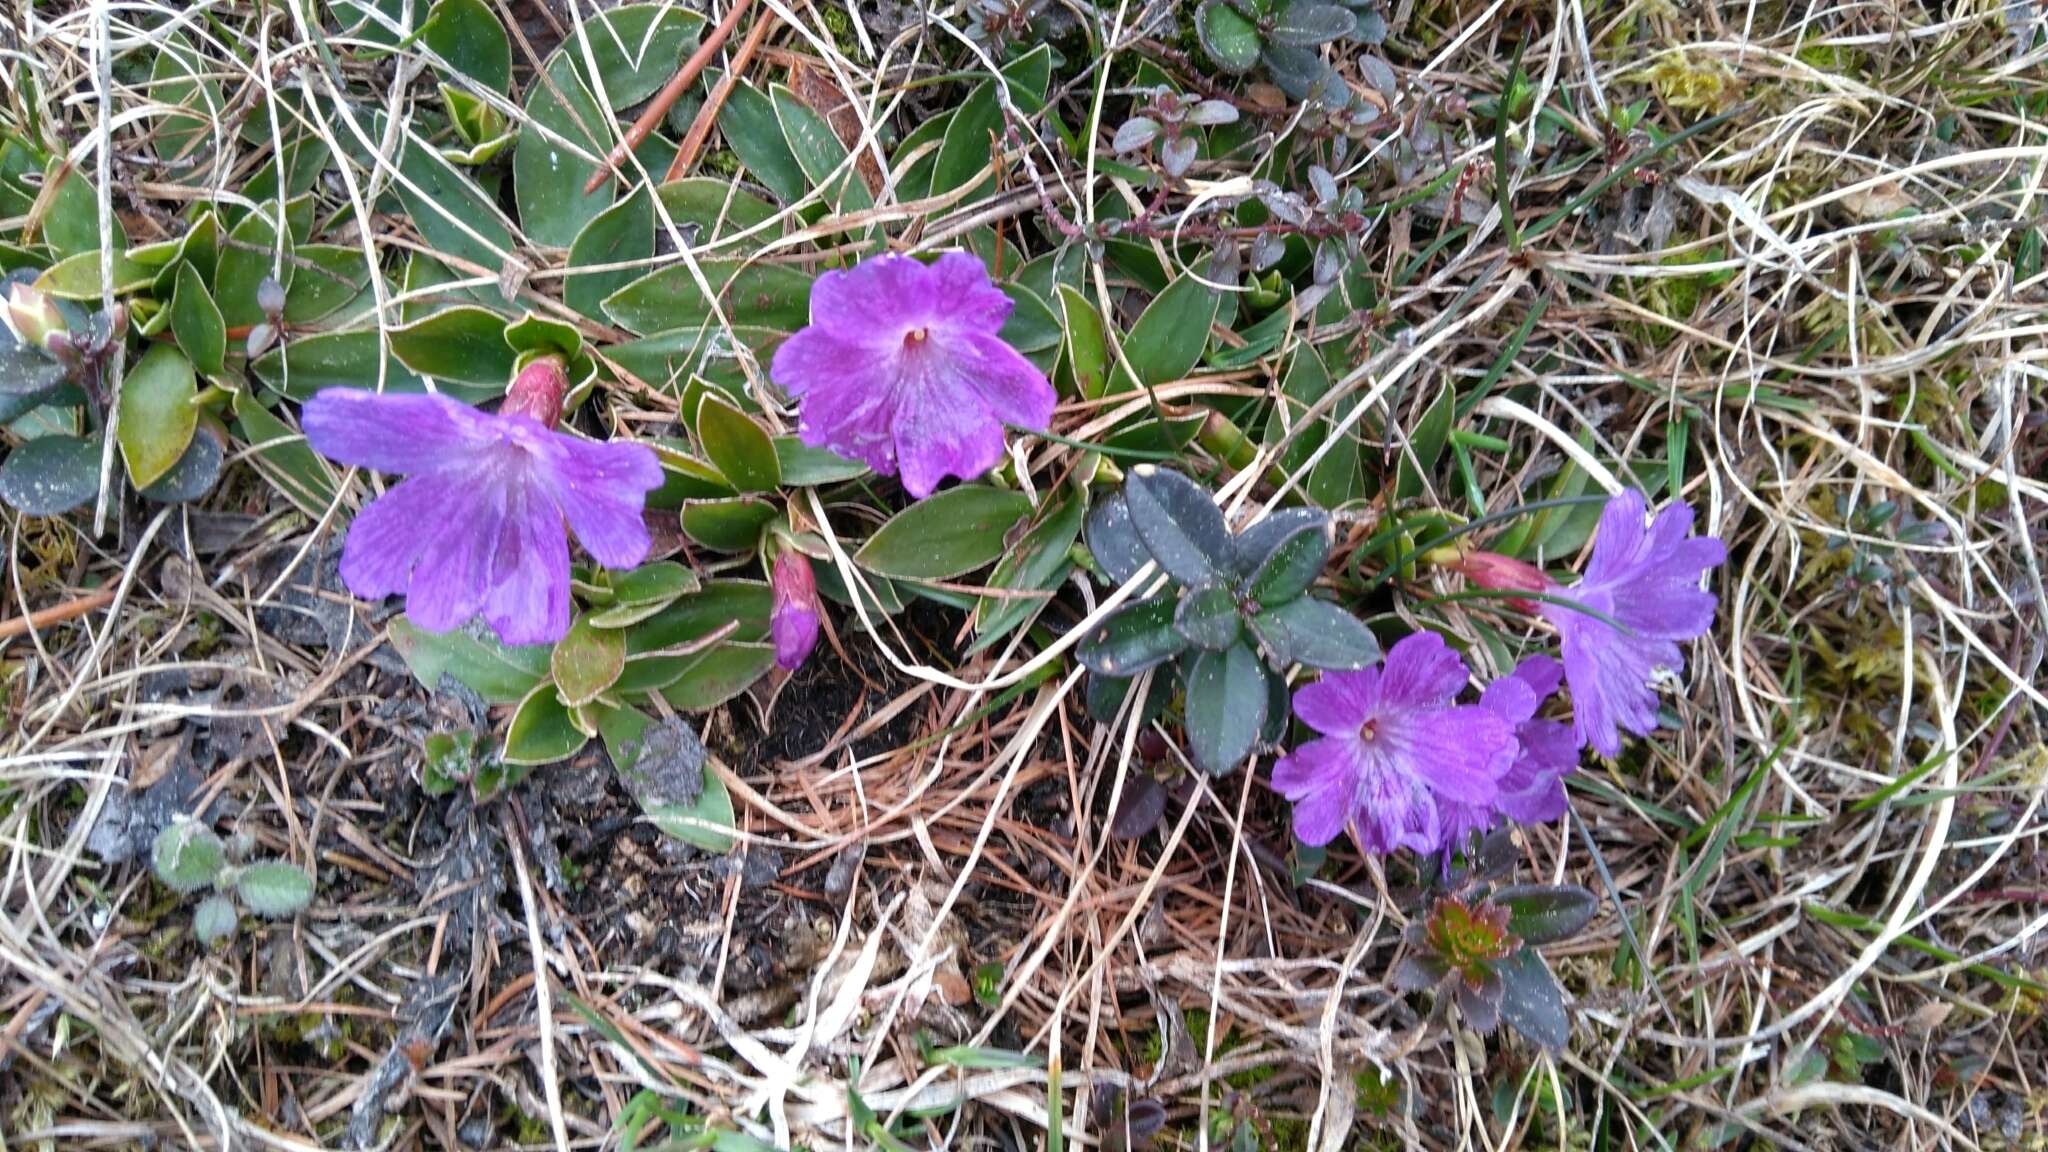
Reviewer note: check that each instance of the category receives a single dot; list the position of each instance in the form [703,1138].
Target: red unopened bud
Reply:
[793,616]
[538,390]
[1504,574]
[32,316]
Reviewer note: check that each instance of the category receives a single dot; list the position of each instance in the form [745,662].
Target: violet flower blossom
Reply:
[794,613]
[477,526]
[1532,789]
[1644,578]
[902,367]
[1395,751]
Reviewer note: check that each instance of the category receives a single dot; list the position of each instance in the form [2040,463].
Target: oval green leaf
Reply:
[157,417]
[946,535]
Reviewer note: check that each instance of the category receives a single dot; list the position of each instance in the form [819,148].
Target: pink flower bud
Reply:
[1504,574]
[793,617]
[32,316]
[537,392]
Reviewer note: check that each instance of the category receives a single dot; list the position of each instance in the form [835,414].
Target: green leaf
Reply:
[1316,633]
[466,34]
[79,277]
[946,535]
[699,614]
[214,920]
[1040,562]
[273,889]
[197,323]
[1546,913]
[465,345]
[732,525]
[750,128]
[1531,1001]
[1306,24]
[974,133]
[1114,541]
[741,451]
[195,473]
[179,78]
[773,296]
[1140,636]
[304,365]
[187,855]
[1208,618]
[1336,478]
[1087,347]
[27,375]
[281,455]
[644,592]
[820,153]
[542,731]
[1167,341]
[1257,543]
[706,822]
[718,675]
[1226,700]
[803,466]
[50,475]
[1181,526]
[500,673]
[624,232]
[71,220]
[246,259]
[452,214]
[586,662]
[329,278]
[717,207]
[1426,441]
[1231,40]
[157,416]
[1292,567]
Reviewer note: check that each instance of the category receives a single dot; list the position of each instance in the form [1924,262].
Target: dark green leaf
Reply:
[1167,341]
[804,466]
[197,323]
[1105,697]
[1114,541]
[1087,348]
[1253,545]
[1531,1001]
[718,675]
[283,458]
[1226,702]
[1291,567]
[717,207]
[157,417]
[1138,637]
[466,34]
[741,451]
[542,730]
[1038,563]
[464,345]
[329,278]
[974,133]
[306,364]
[702,613]
[1181,526]
[732,525]
[1316,633]
[451,212]
[773,296]
[819,153]
[195,473]
[1545,913]
[1231,40]
[1426,441]
[1207,617]
[246,259]
[79,277]
[1032,327]
[751,130]
[500,673]
[1305,24]
[622,233]
[946,535]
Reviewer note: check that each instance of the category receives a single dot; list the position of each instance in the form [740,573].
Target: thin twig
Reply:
[707,116]
[667,97]
[55,614]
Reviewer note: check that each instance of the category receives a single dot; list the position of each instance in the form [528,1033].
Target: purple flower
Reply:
[477,527]
[902,367]
[1532,789]
[1394,751]
[1647,579]
[793,615]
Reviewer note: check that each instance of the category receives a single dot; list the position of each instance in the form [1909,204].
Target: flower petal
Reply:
[1421,671]
[1012,387]
[527,595]
[962,293]
[394,433]
[1319,779]
[1533,790]
[451,579]
[391,532]
[1459,752]
[602,489]
[1339,702]
[1541,673]
[1610,676]
[1618,541]
[848,395]
[938,436]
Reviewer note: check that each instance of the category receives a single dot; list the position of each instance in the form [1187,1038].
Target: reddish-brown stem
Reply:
[669,94]
[69,610]
[707,116]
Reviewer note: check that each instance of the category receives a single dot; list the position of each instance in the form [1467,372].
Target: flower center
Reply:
[915,337]
[1369,731]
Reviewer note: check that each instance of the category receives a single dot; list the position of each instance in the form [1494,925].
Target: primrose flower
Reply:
[793,615]
[477,526]
[1395,751]
[1531,791]
[902,367]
